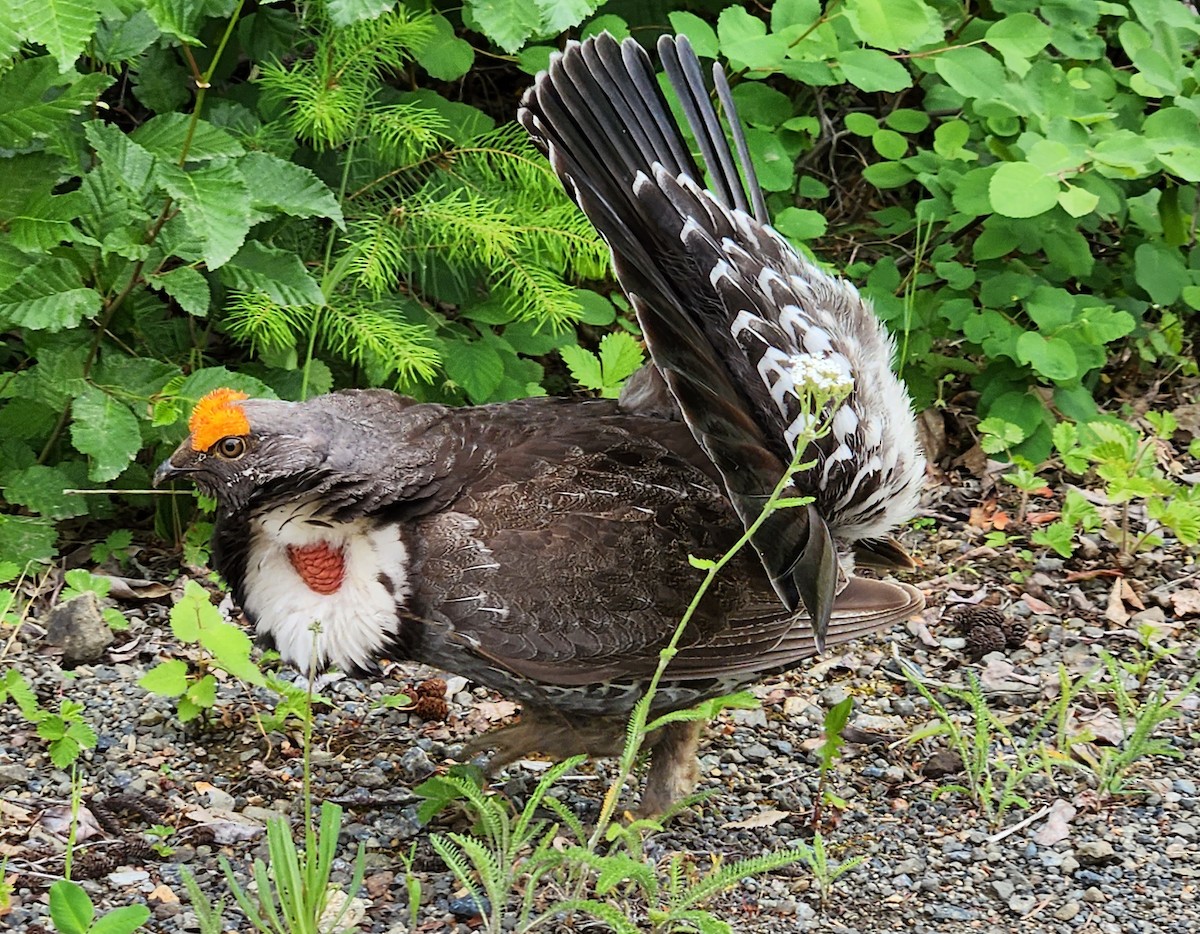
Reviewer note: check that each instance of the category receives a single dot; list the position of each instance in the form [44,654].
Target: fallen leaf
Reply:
[1058,824]
[57,820]
[1116,612]
[133,588]
[1103,725]
[1129,595]
[496,710]
[1038,606]
[766,818]
[1186,602]
[1041,518]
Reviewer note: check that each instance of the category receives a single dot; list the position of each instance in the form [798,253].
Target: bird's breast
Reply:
[322,592]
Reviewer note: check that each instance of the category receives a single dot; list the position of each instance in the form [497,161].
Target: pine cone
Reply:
[972,616]
[984,639]
[1015,633]
[434,687]
[431,707]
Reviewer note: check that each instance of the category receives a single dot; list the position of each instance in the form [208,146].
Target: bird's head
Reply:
[237,447]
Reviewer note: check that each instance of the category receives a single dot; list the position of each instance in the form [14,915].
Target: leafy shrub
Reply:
[192,187]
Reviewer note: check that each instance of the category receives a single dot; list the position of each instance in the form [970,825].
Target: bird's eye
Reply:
[231,448]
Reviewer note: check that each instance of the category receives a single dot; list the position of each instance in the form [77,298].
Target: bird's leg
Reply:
[674,768]
[550,732]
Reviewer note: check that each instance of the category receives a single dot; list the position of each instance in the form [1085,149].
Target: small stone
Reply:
[219,800]
[467,907]
[1068,911]
[942,763]
[914,865]
[1095,853]
[371,777]
[79,627]
[756,751]
[1094,895]
[13,773]
[1004,889]
[950,913]
[1022,904]
[1069,864]
[833,695]
[755,717]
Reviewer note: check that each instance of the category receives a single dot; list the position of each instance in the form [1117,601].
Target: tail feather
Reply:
[727,306]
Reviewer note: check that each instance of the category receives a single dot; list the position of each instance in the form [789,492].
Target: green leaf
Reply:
[277,185]
[445,57]
[215,202]
[277,273]
[347,12]
[744,41]
[36,99]
[120,153]
[123,920]
[702,36]
[971,72]
[561,15]
[203,693]
[26,538]
[476,367]
[872,70]
[889,144]
[48,296]
[508,23]
[105,430]
[1018,189]
[800,224]
[584,366]
[166,135]
[894,24]
[620,357]
[1077,201]
[1157,269]
[62,26]
[1018,37]
[950,137]
[70,908]
[178,18]
[1053,357]
[40,488]
[187,286]
[166,678]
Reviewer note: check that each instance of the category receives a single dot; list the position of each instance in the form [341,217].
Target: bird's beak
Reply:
[167,472]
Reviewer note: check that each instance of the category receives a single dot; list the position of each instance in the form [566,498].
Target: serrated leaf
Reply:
[620,357]
[277,185]
[119,40]
[40,488]
[31,108]
[62,26]
[107,431]
[26,538]
[48,296]
[131,163]
[346,12]
[178,18]
[203,693]
[476,367]
[561,15]
[276,273]
[584,366]
[166,135]
[187,286]
[215,202]
[1052,357]
[166,678]
[508,23]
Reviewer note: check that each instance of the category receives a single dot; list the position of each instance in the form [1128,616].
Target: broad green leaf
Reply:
[167,678]
[907,120]
[124,920]
[131,162]
[203,693]
[178,18]
[119,40]
[971,72]
[508,23]
[476,367]
[35,99]
[62,26]
[193,613]
[26,538]
[872,70]
[950,137]
[745,42]
[773,165]
[70,908]
[105,430]
[1018,37]
[445,56]
[800,224]
[1077,201]
[561,15]
[702,36]
[277,273]
[215,202]
[48,296]
[787,14]
[1158,269]
[187,286]
[894,24]
[617,27]
[620,357]
[1018,189]
[346,12]
[167,134]
[1054,357]
[761,104]
[277,185]
[889,144]
[40,488]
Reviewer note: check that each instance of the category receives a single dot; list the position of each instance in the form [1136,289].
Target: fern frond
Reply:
[381,341]
[321,112]
[402,134]
[379,45]
[254,318]
[534,293]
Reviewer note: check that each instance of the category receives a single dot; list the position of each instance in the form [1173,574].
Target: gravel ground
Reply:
[930,862]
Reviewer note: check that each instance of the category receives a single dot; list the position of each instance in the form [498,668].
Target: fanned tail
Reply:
[730,311]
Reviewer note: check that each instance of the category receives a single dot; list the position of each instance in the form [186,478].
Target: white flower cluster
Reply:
[825,376]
